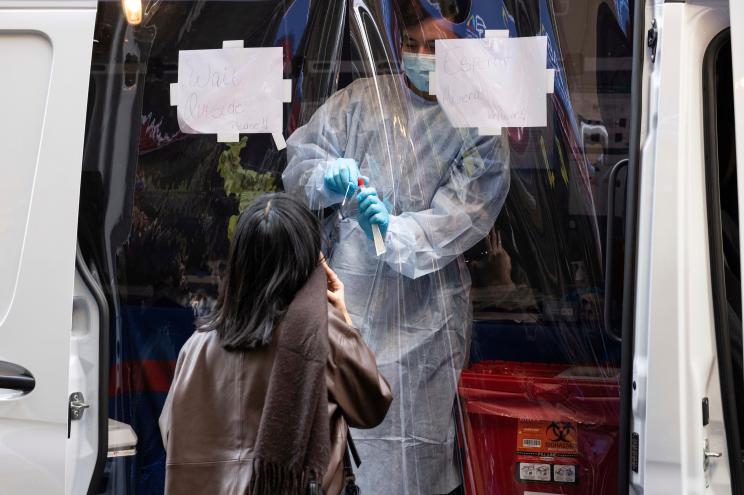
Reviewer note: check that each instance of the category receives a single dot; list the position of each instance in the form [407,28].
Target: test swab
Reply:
[376,234]
[346,195]
[379,243]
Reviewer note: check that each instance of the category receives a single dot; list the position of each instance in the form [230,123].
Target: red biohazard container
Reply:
[539,429]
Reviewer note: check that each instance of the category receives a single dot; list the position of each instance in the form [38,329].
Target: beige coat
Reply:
[212,412]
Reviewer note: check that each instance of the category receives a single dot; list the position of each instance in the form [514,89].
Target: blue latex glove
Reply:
[372,211]
[341,176]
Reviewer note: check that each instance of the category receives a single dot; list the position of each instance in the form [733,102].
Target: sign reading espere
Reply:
[493,82]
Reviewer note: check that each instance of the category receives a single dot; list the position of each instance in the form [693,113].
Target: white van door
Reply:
[680,424]
[45,51]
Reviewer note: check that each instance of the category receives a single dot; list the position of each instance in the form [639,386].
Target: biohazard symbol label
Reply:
[547,438]
[561,431]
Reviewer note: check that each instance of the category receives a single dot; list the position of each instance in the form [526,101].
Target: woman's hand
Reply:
[336,291]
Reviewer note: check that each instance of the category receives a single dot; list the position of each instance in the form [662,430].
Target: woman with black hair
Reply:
[255,387]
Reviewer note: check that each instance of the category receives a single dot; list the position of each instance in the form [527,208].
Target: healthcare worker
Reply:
[434,191]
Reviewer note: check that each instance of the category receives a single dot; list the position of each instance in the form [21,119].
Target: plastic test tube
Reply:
[376,234]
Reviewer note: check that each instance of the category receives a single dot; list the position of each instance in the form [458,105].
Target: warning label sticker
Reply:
[547,438]
[564,473]
[529,471]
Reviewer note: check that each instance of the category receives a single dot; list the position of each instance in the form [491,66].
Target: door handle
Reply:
[15,377]
[609,251]
[708,454]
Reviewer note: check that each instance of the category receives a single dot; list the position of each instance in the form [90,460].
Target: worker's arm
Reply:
[313,147]
[461,213]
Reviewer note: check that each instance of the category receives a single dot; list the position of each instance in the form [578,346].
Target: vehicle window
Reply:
[723,224]
[494,311]
[23,98]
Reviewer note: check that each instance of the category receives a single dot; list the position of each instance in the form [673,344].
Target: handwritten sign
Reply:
[230,91]
[492,82]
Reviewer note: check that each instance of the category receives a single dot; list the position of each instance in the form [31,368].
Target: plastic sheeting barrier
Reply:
[496,241]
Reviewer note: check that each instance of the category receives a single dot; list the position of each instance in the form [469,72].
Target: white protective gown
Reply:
[444,188]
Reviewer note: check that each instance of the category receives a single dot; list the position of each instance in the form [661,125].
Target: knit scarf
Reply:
[293,442]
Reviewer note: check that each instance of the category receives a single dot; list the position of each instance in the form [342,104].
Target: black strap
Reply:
[352,448]
[350,486]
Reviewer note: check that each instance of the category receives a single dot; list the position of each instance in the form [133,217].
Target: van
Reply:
[604,330]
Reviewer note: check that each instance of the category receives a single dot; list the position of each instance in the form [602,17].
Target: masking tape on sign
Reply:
[228,137]
[485,131]
[174,94]
[232,44]
[550,80]
[279,140]
[497,33]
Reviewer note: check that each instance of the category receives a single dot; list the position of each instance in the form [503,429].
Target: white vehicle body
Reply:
[44,48]
[675,362]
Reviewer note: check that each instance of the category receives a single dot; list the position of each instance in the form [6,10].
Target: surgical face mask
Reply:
[417,67]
